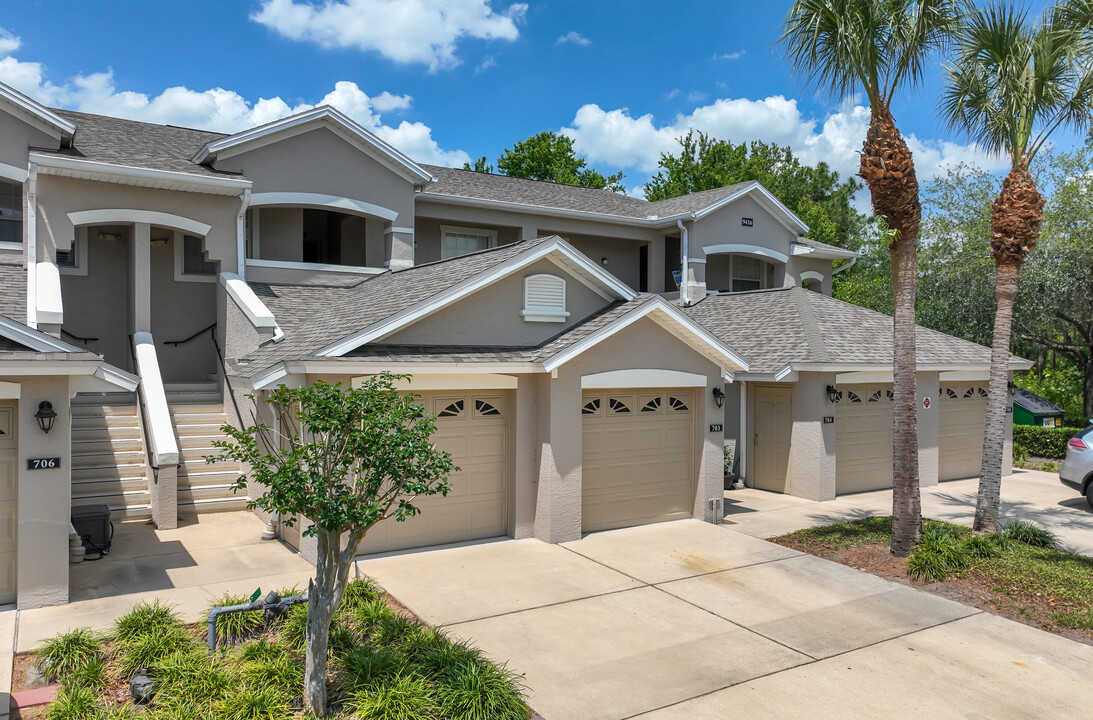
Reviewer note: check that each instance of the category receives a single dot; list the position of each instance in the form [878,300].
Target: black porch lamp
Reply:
[832,393]
[719,397]
[45,416]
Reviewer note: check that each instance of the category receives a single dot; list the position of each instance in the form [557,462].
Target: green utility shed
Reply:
[1031,409]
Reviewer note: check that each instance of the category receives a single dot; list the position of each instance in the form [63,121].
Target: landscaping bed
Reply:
[384,664]
[1012,573]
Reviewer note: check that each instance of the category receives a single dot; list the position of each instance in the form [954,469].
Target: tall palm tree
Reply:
[1011,85]
[880,47]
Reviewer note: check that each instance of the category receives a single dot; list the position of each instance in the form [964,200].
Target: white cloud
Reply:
[405,31]
[734,55]
[487,62]
[574,38]
[222,110]
[671,94]
[616,138]
[8,42]
[696,96]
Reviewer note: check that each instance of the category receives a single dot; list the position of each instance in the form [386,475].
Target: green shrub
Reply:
[146,651]
[358,592]
[1023,531]
[233,627]
[392,630]
[90,676]
[254,703]
[469,691]
[1041,441]
[444,660]
[146,619]
[67,654]
[366,666]
[78,703]
[341,639]
[404,696]
[1049,466]
[982,546]
[941,553]
[370,614]
[1020,456]
[293,630]
[185,677]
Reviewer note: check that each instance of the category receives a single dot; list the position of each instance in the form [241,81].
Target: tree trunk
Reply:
[1016,215]
[320,609]
[888,169]
[1087,389]
[990,473]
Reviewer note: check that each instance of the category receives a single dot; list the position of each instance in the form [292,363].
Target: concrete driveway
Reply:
[690,620]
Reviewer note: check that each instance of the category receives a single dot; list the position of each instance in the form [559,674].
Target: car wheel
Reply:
[1089,493]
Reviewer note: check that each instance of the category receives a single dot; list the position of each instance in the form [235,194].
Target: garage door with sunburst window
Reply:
[863,439]
[961,417]
[473,427]
[637,457]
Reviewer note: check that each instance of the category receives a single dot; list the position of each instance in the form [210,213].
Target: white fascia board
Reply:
[1016,363]
[642,378]
[783,214]
[533,209]
[657,305]
[15,174]
[448,381]
[244,297]
[323,113]
[739,249]
[37,111]
[315,267]
[356,207]
[10,390]
[33,339]
[49,308]
[152,217]
[467,287]
[51,164]
[269,376]
[862,377]
[822,253]
[49,368]
[295,370]
[117,377]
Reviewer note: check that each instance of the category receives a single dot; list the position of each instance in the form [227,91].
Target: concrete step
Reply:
[95,434]
[200,507]
[99,421]
[108,486]
[95,411]
[196,455]
[106,459]
[194,398]
[110,470]
[195,408]
[199,441]
[83,447]
[208,426]
[207,477]
[177,388]
[99,399]
[120,510]
[208,492]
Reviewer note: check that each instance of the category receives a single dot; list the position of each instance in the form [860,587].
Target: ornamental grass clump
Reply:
[147,651]
[232,628]
[403,696]
[941,553]
[254,702]
[479,689]
[67,655]
[77,703]
[146,619]
[1023,531]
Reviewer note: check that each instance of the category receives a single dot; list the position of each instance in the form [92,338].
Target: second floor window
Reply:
[11,212]
[746,274]
[193,258]
[456,241]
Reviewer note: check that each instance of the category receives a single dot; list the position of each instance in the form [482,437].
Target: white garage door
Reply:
[963,410]
[863,438]
[473,427]
[637,451]
[9,478]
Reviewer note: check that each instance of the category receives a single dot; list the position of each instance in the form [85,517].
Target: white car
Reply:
[1077,469]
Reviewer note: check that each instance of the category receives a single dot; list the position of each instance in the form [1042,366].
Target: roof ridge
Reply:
[810,325]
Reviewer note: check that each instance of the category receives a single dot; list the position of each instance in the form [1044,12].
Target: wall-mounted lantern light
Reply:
[603,261]
[719,397]
[45,416]
[1011,387]
[832,393]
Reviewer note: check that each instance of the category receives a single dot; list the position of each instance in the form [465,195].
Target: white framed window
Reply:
[456,241]
[11,214]
[191,264]
[74,260]
[544,299]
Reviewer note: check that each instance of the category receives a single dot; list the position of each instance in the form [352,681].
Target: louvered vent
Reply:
[544,299]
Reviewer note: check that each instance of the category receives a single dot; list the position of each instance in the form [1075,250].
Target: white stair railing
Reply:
[162,445]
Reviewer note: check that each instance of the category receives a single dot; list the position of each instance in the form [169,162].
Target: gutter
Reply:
[241,233]
[846,266]
[31,221]
[684,295]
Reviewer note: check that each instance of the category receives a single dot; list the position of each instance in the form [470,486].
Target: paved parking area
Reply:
[690,620]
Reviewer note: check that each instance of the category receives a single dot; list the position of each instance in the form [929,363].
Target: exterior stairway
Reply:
[108,460]
[197,411]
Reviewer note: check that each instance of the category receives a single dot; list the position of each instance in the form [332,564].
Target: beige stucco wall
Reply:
[281,232]
[97,304]
[929,421]
[491,316]
[427,236]
[320,162]
[812,454]
[622,255]
[195,360]
[17,137]
[45,496]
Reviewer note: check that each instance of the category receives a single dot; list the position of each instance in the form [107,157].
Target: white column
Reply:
[742,445]
[140,278]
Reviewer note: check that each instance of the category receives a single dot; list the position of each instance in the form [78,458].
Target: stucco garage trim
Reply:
[152,217]
[303,199]
[9,390]
[444,381]
[641,378]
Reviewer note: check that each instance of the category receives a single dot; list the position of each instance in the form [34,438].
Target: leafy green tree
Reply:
[880,48]
[550,156]
[480,165]
[815,194]
[1012,84]
[344,460]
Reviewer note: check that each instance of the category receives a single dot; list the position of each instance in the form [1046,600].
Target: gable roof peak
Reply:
[37,113]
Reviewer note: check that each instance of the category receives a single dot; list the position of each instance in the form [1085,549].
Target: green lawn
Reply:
[1049,587]
[383,666]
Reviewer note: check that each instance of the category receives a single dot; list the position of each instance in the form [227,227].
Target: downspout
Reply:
[31,221]
[684,296]
[241,233]
[847,266]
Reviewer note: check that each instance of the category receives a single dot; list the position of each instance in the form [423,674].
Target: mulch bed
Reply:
[971,588]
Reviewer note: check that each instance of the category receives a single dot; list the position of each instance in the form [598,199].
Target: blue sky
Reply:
[450,80]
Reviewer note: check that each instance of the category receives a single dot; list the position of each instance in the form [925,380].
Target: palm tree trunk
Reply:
[990,473]
[1016,215]
[888,169]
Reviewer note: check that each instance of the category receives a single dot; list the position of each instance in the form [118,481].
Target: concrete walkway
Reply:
[1027,494]
[690,620]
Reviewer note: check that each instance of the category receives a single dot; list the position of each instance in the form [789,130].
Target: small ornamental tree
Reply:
[344,459]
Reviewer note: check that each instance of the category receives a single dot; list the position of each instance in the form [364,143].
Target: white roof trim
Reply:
[449,381]
[38,112]
[812,275]
[244,297]
[797,248]
[15,174]
[287,370]
[315,267]
[442,299]
[329,201]
[1016,363]
[324,113]
[463,201]
[64,166]
[710,344]
[49,307]
[642,378]
[152,217]
[744,250]
[33,339]
[116,376]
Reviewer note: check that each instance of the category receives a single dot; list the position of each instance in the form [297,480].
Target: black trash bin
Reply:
[92,524]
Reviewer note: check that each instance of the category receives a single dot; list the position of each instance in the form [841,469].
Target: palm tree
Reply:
[879,47]
[1011,85]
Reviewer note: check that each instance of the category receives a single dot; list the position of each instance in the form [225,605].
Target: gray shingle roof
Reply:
[13,288]
[1035,404]
[138,144]
[772,328]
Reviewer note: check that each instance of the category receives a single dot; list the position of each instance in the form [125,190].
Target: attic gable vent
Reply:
[544,299]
